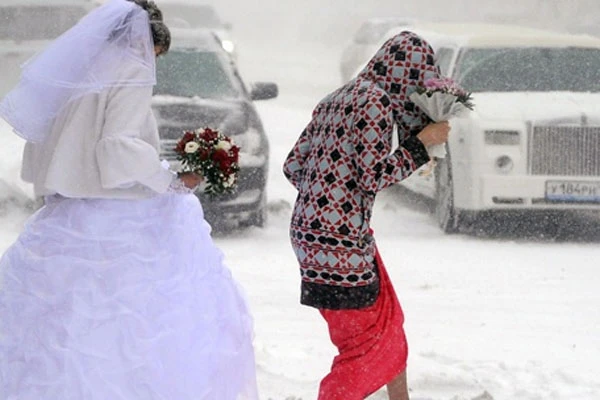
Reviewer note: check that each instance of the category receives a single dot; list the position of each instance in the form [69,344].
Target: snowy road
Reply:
[518,318]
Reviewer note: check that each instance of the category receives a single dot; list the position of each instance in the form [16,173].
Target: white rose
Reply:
[223,145]
[200,131]
[191,147]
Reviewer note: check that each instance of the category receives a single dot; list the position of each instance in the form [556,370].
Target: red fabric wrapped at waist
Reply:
[371,342]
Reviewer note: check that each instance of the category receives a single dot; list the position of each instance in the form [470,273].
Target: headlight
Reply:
[250,142]
[500,137]
[228,45]
[504,164]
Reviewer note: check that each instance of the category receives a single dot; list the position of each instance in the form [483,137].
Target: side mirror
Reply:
[264,91]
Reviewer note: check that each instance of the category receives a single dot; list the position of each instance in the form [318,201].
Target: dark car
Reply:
[199,86]
[195,15]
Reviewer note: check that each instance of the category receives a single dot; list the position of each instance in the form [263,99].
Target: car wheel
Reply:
[446,214]
[259,217]
[216,223]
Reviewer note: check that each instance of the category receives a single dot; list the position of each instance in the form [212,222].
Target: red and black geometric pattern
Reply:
[402,64]
[344,157]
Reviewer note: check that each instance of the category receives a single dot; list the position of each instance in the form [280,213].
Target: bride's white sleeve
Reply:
[124,157]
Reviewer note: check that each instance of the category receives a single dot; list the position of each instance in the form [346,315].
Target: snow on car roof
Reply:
[494,35]
[198,39]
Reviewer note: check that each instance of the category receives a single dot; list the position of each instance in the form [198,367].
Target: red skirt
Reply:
[371,343]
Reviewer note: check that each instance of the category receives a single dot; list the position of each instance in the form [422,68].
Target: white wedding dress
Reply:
[122,300]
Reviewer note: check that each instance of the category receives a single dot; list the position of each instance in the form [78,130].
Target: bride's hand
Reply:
[190,179]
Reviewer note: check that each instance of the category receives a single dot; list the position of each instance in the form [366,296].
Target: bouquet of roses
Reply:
[211,154]
[441,99]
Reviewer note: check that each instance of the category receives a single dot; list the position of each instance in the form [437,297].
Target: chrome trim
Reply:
[564,151]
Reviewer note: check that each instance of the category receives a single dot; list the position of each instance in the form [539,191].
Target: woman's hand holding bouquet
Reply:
[208,156]
[441,99]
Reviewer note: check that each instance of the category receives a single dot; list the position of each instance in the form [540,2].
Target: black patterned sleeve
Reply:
[377,168]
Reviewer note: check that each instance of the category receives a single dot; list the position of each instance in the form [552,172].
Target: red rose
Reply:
[221,158]
[209,135]
[235,153]
[203,154]
[188,137]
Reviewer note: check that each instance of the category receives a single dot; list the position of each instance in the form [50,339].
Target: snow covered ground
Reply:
[487,316]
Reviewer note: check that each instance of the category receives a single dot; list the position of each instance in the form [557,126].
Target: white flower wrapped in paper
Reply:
[441,99]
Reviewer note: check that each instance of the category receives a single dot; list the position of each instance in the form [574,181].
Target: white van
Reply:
[533,140]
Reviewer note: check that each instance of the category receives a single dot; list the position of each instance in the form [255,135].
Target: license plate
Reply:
[573,191]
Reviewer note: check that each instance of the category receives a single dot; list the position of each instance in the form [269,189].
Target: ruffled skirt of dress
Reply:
[122,300]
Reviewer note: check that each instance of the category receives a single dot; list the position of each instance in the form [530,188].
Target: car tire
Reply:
[217,224]
[446,215]
[260,216]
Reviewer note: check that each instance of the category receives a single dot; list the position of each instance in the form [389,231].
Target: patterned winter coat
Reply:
[342,159]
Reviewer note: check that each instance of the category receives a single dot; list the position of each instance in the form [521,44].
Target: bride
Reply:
[115,289]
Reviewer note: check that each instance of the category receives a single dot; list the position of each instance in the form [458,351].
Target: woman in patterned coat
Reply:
[341,160]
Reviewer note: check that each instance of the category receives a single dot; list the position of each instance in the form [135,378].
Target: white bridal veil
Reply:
[85,59]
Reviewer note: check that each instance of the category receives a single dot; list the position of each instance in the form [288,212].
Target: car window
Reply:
[203,74]
[444,58]
[530,69]
[37,22]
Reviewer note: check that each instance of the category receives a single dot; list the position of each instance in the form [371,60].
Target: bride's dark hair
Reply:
[151,8]
[161,35]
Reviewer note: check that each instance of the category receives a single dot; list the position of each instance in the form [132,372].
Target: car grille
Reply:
[167,149]
[171,132]
[565,150]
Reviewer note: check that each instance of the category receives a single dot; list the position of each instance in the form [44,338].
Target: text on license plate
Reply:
[573,191]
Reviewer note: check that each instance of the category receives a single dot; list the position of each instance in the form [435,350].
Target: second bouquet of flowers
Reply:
[441,99]
[213,155]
